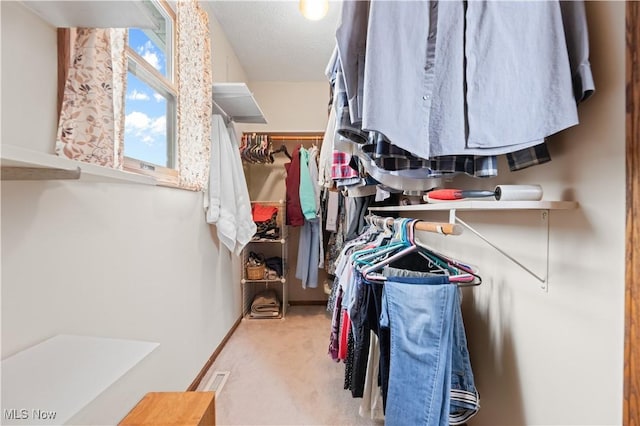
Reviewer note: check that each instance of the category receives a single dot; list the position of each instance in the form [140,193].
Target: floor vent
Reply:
[217,381]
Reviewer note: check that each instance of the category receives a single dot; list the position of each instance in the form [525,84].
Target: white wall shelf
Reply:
[93,14]
[23,164]
[486,205]
[236,102]
[466,205]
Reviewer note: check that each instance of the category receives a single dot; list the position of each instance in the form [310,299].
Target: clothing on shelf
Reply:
[265,305]
[265,218]
[275,264]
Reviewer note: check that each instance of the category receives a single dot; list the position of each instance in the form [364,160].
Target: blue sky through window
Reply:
[145,109]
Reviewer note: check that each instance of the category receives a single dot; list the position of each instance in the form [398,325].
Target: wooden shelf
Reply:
[465,205]
[18,163]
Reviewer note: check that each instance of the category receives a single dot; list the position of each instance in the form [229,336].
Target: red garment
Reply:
[262,213]
[344,335]
[294,211]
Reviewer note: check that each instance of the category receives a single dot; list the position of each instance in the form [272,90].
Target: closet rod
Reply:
[291,136]
[217,109]
[295,138]
[421,225]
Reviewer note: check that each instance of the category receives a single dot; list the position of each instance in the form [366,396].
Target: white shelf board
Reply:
[92,14]
[15,156]
[466,205]
[65,373]
[238,103]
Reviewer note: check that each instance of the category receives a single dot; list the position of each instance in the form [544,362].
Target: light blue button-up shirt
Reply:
[467,78]
[352,33]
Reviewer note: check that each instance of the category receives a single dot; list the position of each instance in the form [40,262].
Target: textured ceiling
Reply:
[273,41]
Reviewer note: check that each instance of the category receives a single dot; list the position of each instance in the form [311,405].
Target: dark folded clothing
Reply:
[275,263]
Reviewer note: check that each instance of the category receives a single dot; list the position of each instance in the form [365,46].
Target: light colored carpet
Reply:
[281,374]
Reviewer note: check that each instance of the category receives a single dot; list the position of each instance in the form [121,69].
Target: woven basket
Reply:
[255,272]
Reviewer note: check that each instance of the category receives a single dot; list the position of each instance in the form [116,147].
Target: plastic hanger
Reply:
[405,244]
[283,148]
[361,240]
[460,274]
[393,238]
[384,235]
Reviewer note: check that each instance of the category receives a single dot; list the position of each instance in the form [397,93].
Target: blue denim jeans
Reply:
[430,378]
[465,401]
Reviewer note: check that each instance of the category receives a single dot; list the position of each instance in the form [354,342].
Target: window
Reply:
[150,99]
[141,124]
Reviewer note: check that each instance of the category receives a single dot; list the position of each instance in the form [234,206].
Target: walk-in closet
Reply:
[401,213]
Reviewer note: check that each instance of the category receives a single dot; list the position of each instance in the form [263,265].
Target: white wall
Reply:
[556,357]
[226,67]
[114,260]
[291,106]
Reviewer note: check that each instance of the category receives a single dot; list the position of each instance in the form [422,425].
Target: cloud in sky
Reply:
[137,96]
[146,129]
[152,58]
[149,53]
[158,97]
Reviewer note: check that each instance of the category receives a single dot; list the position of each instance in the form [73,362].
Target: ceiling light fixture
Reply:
[314,10]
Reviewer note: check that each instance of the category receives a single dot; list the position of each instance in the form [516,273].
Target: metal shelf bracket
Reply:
[453,218]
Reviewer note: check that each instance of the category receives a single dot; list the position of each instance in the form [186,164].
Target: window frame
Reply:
[167,87]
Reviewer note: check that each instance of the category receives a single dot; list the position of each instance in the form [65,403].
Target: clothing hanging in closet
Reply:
[468,85]
[419,350]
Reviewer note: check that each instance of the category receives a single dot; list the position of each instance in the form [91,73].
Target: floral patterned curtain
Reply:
[194,94]
[91,126]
